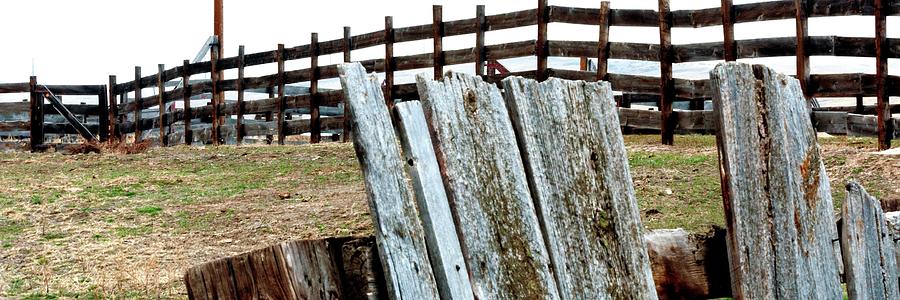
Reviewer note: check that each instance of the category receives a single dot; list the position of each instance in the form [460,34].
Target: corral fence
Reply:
[220,121]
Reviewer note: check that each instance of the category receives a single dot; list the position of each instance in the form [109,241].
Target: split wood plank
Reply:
[488,188]
[868,247]
[399,233]
[574,154]
[778,206]
[434,209]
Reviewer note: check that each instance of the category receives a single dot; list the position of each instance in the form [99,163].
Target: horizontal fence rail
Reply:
[635,88]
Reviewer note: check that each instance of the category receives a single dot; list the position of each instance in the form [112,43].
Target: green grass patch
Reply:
[659,160]
[150,210]
[123,232]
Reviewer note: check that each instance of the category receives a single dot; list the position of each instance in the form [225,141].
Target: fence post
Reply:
[347,59]
[103,118]
[802,14]
[137,105]
[216,96]
[883,109]
[603,44]
[667,85]
[36,115]
[186,96]
[541,47]
[161,96]
[269,118]
[279,126]
[479,40]
[315,121]
[239,124]
[115,132]
[728,30]
[437,35]
[389,61]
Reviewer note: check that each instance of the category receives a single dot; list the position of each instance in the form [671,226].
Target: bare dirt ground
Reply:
[127,226]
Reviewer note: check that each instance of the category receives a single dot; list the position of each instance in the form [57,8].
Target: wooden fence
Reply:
[663,90]
[36,109]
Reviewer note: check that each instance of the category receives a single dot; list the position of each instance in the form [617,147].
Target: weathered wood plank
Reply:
[689,266]
[867,247]
[574,153]
[399,233]
[312,270]
[487,187]
[434,209]
[778,206]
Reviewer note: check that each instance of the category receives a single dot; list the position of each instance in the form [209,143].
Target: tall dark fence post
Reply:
[541,47]
[186,88]
[603,43]
[315,121]
[113,116]
[667,85]
[480,57]
[217,96]
[885,128]
[802,16]
[279,126]
[269,118]
[389,65]
[161,96]
[728,30]
[36,115]
[239,125]
[103,118]
[437,35]
[347,58]
[137,105]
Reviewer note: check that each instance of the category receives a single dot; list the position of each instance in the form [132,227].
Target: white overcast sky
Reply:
[84,41]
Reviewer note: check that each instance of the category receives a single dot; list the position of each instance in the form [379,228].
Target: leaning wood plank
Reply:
[440,233]
[778,206]
[485,180]
[893,221]
[868,247]
[398,232]
[574,153]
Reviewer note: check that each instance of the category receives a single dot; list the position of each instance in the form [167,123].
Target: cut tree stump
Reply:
[487,188]
[399,234]
[778,206]
[574,155]
[868,247]
[689,266]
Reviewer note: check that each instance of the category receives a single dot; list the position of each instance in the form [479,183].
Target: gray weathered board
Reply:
[487,187]
[399,234]
[440,232]
[893,222]
[574,154]
[778,206]
[868,247]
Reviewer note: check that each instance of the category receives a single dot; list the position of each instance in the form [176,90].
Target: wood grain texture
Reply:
[689,266]
[444,249]
[868,247]
[487,187]
[574,153]
[399,233]
[778,206]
